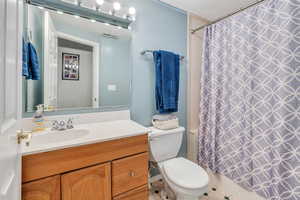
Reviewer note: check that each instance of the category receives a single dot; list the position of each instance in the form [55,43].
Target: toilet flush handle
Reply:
[154,138]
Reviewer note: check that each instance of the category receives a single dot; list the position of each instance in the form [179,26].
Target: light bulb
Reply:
[76,16]
[119,27]
[117,6]
[40,7]
[100,2]
[59,12]
[107,24]
[92,20]
[132,10]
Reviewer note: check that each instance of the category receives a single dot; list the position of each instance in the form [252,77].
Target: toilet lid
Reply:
[185,173]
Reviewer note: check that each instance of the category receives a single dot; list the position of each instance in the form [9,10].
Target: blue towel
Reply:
[33,63]
[167,81]
[25,70]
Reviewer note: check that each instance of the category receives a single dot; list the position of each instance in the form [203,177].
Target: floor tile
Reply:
[157,187]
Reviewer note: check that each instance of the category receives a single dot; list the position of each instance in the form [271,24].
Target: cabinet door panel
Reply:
[93,183]
[129,173]
[44,189]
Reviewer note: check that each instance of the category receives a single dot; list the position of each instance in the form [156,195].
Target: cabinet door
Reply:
[140,193]
[93,183]
[129,173]
[44,189]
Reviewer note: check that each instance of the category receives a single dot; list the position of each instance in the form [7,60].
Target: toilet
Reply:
[186,179]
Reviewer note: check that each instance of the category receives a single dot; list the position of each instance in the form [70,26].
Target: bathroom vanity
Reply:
[110,162]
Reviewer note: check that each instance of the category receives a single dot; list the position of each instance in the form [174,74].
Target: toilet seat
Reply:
[185,173]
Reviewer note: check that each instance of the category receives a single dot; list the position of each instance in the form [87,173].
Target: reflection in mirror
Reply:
[82,63]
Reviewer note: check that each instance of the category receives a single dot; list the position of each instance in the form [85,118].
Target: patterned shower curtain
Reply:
[250,99]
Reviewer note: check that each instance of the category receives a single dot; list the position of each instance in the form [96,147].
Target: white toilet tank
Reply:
[165,144]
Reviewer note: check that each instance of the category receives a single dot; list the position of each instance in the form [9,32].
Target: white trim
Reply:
[96,64]
[20,62]
[46,55]
[189,82]
[11,21]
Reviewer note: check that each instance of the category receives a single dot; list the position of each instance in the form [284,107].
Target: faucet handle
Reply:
[70,123]
[55,125]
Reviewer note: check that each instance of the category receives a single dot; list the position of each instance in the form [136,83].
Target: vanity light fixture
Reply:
[132,11]
[100,2]
[117,6]
[93,14]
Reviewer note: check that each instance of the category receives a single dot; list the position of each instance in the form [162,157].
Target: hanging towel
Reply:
[25,70]
[33,63]
[30,62]
[167,81]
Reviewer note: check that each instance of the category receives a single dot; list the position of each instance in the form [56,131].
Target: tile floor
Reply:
[156,190]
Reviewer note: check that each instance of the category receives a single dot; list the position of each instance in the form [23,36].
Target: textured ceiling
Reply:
[210,9]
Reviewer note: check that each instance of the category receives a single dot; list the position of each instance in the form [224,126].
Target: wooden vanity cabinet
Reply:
[44,189]
[112,170]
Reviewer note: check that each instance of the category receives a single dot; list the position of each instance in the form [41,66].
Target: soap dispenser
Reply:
[38,119]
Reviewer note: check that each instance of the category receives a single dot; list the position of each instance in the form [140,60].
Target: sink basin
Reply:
[59,136]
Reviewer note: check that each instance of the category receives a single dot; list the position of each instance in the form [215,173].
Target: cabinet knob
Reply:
[132,173]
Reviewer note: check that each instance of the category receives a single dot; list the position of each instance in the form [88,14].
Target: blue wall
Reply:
[115,68]
[157,27]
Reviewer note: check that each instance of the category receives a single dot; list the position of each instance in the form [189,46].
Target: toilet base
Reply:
[181,193]
[171,193]
[179,197]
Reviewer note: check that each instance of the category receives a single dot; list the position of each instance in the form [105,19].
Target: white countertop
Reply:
[98,132]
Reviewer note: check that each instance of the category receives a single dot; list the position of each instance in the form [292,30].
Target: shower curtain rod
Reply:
[220,19]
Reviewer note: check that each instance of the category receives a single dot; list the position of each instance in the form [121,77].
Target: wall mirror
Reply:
[83,64]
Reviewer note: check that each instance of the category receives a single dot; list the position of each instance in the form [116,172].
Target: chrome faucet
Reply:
[70,123]
[55,125]
[62,125]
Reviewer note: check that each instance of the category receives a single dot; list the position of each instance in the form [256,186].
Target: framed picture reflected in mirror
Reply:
[70,66]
